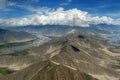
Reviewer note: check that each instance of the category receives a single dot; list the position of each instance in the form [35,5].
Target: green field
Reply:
[5,71]
[18,53]
[115,50]
[8,45]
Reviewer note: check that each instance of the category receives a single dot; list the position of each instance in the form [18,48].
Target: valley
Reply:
[79,53]
[59,39]
[78,50]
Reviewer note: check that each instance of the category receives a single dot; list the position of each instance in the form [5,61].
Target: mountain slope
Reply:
[49,70]
[8,36]
[74,57]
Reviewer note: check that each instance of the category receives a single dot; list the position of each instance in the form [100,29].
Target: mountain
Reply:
[9,36]
[109,33]
[73,57]
[49,70]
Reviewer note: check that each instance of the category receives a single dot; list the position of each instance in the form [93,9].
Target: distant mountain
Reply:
[9,36]
[73,57]
[109,33]
[58,29]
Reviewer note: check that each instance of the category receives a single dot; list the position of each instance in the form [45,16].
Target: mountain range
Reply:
[76,56]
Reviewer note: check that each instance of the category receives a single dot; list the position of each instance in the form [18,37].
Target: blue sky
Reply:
[59,12]
[19,8]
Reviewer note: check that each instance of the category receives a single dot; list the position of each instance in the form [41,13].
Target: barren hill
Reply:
[74,57]
[8,36]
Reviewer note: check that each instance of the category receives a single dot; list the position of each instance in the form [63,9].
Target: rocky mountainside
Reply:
[8,36]
[49,70]
[74,57]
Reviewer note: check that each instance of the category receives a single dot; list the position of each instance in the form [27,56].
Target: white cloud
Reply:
[114,14]
[2,4]
[37,9]
[116,22]
[34,0]
[69,0]
[72,17]
[64,4]
[6,4]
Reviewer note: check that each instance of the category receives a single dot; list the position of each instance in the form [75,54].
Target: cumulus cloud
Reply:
[71,17]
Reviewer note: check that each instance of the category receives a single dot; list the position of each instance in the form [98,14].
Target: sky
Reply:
[59,12]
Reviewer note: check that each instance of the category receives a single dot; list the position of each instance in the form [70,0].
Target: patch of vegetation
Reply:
[64,49]
[8,45]
[115,50]
[115,66]
[18,53]
[5,71]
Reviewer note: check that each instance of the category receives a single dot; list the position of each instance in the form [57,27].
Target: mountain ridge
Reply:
[73,52]
[10,36]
